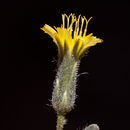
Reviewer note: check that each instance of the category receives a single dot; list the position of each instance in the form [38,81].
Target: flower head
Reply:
[71,37]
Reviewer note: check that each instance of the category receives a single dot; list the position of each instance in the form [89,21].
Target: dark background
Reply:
[29,64]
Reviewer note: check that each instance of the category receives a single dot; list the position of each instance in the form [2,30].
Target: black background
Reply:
[29,64]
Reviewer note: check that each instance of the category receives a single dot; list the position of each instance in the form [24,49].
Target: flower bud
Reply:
[64,92]
[92,127]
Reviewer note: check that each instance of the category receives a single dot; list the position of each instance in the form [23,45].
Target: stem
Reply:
[60,121]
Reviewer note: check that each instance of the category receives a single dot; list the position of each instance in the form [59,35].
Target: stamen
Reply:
[87,21]
[63,20]
[72,21]
[77,26]
[67,18]
[66,21]
[82,22]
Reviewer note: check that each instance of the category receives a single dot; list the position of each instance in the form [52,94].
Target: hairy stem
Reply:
[60,121]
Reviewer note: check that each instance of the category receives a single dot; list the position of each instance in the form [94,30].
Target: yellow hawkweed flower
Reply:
[71,37]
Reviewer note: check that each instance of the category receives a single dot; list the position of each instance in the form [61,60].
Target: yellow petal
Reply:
[80,45]
[49,30]
[65,36]
[91,41]
[88,41]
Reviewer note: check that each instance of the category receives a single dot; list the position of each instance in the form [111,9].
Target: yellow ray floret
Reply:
[71,37]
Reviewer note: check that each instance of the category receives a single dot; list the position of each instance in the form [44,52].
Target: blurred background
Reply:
[29,65]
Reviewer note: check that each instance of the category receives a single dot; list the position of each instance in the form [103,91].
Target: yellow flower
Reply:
[71,37]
